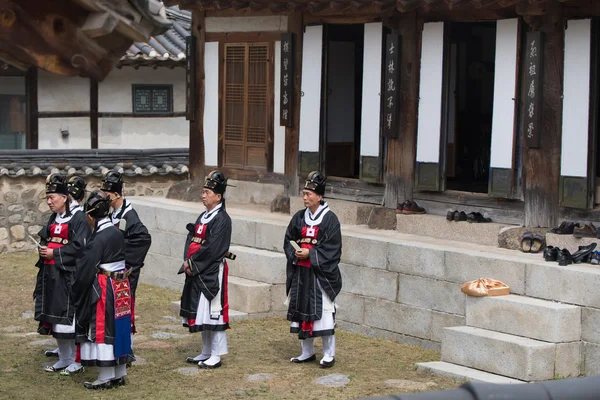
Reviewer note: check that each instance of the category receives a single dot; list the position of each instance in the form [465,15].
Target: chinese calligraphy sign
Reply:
[286,84]
[532,99]
[391,88]
[190,76]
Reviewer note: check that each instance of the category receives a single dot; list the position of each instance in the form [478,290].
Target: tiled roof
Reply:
[31,163]
[168,47]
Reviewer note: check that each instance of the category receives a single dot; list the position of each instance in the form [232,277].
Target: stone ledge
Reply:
[461,373]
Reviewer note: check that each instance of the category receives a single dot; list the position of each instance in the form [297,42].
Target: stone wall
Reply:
[23,208]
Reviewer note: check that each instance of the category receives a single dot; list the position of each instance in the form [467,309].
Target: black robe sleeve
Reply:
[137,240]
[325,256]
[213,250]
[65,257]
[85,274]
[292,234]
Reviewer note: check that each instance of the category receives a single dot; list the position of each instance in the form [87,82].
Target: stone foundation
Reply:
[23,208]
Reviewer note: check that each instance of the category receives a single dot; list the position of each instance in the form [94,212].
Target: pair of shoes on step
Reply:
[102,385]
[409,207]
[564,257]
[323,363]
[473,217]
[201,362]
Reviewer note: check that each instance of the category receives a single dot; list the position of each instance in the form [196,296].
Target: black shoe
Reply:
[296,360]
[477,217]
[97,385]
[551,253]
[192,361]
[450,215]
[564,258]
[565,228]
[118,382]
[584,253]
[327,364]
[460,216]
[206,366]
[51,353]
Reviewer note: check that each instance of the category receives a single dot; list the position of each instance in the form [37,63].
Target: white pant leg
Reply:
[120,371]
[218,345]
[206,343]
[308,347]
[65,351]
[106,373]
[328,347]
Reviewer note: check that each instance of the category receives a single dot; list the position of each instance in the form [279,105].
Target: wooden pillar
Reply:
[292,137]
[401,151]
[542,165]
[94,112]
[196,150]
[31,87]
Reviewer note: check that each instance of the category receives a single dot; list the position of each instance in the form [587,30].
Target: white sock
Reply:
[65,353]
[328,348]
[206,344]
[120,371]
[74,366]
[212,360]
[105,374]
[201,357]
[308,349]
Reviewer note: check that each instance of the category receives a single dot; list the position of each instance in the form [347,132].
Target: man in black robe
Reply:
[313,247]
[103,299]
[63,240]
[204,301]
[137,238]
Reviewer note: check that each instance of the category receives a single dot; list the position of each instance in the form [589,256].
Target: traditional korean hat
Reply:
[56,183]
[316,182]
[216,182]
[76,186]
[113,182]
[97,204]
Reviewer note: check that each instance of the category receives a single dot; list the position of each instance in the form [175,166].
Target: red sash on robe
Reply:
[311,233]
[200,234]
[58,231]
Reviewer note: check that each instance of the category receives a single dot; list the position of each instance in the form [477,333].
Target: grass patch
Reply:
[255,346]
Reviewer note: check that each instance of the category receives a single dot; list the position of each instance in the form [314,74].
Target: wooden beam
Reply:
[242,36]
[401,151]
[197,158]
[94,113]
[542,165]
[31,88]
[291,184]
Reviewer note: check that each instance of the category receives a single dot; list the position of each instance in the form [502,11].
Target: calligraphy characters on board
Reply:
[391,88]
[286,85]
[533,89]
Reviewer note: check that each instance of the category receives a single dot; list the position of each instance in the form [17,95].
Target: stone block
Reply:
[591,356]
[278,297]
[498,353]
[270,236]
[364,252]
[249,296]
[510,237]
[464,266]
[18,245]
[147,215]
[11,197]
[460,373]
[258,265]
[442,320]
[243,232]
[253,192]
[350,308]
[526,316]
[382,218]
[16,208]
[281,204]
[416,259]
[568,360]
[369,282]
[431,293]
[3,234]
[43,207]
[161,270]
[177,244]
[175,220]
[33,229]
[13,219]
[28,194]
[160,243]
[576,284]
[399,318]
[387,335]
[590,325]
[17,232]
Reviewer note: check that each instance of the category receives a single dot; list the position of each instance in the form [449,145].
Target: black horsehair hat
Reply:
[56,183]
[113,182]
[97,204]
[216,182]
[316,182]
[76,186]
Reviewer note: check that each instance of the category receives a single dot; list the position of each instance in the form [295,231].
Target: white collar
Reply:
[208,216]
[316,218]
[103,224]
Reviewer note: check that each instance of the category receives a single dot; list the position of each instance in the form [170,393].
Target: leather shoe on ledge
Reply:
[564,258]
[565,228]
[588,230]
[551,253]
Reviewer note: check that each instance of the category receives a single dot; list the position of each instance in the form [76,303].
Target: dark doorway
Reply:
[343,75]
[470,62]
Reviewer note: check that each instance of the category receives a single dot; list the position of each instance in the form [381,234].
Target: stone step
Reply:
[258,265]
[437,226]
[461,373]
[499,353]
[233,314]
[348,212]
[249,296]
[525,316]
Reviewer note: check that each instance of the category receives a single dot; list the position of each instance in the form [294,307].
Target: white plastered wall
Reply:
[371,100]
[430,93]
[211,103]
[279,134]
[576,99]
[310,101]
[503,118]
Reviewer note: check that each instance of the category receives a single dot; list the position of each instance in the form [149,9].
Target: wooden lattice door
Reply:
[246,105]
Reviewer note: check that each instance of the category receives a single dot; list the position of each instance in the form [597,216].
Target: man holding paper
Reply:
[313,247]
